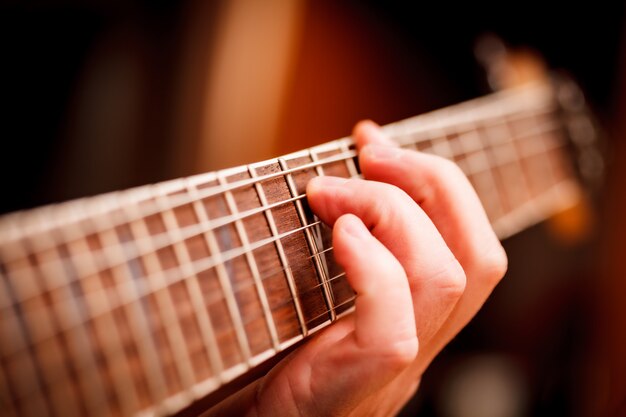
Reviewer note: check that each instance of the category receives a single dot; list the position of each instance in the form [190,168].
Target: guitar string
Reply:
[316,224]
[213,224]
[326,313]
[103,256]
[170,278]
[322,314]
[131,252]
[327,310]
[283,173]
[51,381]
[337,306]
[175,322]
[113,293]
[401,129]
[220,222]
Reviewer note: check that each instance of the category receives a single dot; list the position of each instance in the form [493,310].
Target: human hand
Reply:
[419,252]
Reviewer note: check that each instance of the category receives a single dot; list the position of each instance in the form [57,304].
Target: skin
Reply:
[422,257]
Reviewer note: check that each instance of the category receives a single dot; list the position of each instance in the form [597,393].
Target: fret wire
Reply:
[481,163]
[318,244]
[203,194]
[162,240]
[163,298]
[517,161]
[478,169]
[413,127]
[286,302]
[309,237]
[345,302]
[510,140]
[94,397]
[222,274]
[254,270]
[112,350]
[234,253]
[166,324]
[281,251]
[525,155]
[546,150]
[72,256]
[177,202]
[32,357]
[69,374]
[350,165]
[214,356]
[130,301]
[556,144]
[348,301]
[135,314]
[202,265]
[442,146]
[312,320]
[230,219]
[413,138]
[475,159]
[496,174]
[418,121]
[315,287]
[326,312]
[192,285]
[272,273]
[565,194]
[470,163]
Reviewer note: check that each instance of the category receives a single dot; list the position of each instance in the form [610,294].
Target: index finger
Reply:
[440,188]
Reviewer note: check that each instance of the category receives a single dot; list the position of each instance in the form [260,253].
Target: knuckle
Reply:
[392,192]
[390,202]
[437,176]
[493,265]
[445,168]
[451,280]
[401,354]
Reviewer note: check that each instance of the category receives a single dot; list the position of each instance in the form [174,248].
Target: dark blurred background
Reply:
[99,96]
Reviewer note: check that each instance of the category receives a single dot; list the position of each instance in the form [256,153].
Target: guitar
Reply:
[145,301]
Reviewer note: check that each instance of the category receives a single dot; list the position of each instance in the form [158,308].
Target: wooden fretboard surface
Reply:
[144,300]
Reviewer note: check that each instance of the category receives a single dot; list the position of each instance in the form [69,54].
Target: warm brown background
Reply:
[120,93]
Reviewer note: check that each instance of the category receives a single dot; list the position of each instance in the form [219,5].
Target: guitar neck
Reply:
[148,299]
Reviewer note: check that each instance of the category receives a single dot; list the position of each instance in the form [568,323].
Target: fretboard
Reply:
[144,300]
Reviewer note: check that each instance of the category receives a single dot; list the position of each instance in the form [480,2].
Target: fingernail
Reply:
[381,152]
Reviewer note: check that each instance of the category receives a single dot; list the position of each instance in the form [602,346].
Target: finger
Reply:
[367,132]
[384,309]
[384,319]
[446,195]
[435,276]
[361,353]
[436,184]
[384,341]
